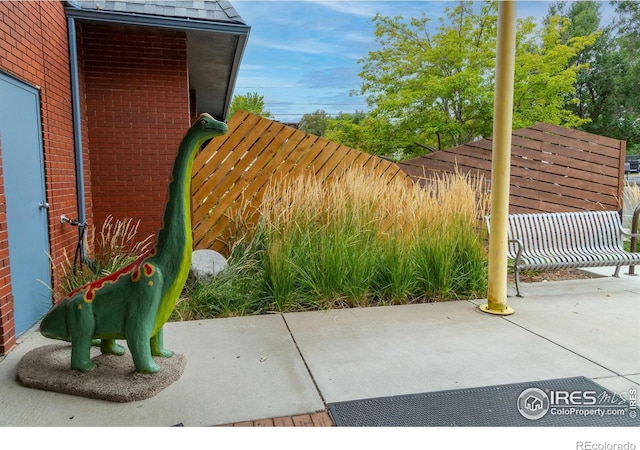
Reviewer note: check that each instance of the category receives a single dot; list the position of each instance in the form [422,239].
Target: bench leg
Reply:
[517,278]
[616,274]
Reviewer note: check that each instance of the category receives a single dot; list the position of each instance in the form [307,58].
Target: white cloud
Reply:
[307,46]
[361,38]
[272,78]
[359,9]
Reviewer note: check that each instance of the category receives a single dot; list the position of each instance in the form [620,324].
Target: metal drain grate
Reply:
[566,402]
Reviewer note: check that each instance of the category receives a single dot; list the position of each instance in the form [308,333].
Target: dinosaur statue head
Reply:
[208,127]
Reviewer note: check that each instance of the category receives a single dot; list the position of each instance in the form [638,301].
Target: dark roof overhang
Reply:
[214,49]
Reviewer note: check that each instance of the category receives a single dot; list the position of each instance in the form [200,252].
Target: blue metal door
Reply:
[23,169]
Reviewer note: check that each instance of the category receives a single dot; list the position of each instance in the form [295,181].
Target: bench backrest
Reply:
[562,232]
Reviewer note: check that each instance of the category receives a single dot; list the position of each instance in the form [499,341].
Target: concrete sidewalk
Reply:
[251,368]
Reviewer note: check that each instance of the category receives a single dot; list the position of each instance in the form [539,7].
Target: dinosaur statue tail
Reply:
[54,324]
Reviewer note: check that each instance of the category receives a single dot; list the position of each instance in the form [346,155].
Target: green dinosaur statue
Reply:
[135,302]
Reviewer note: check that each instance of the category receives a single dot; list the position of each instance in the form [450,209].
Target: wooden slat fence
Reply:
[553,169]
[236,170]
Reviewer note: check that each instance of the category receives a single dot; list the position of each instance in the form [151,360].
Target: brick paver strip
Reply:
[322,419]
[318,419]
[283,422]
[241,424]
[303,421]
[263,423]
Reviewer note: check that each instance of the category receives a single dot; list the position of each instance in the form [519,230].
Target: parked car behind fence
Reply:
[632,164]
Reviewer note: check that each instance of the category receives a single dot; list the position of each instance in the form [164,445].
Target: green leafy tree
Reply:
[546,74]
[583,19]
[315,122]
[435,89]
[628,21]
[251,102]
[431,89]
[347,129]
[627,39]
[605,94]
[374,135]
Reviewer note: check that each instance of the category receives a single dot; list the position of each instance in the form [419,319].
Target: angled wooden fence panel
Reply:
[235,170]
[553,169]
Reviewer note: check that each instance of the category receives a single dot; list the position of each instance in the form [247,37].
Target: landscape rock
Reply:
[207,263]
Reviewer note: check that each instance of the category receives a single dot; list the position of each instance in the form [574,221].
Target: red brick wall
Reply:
[7,329]
[34,48]
[135,107]
[137,100]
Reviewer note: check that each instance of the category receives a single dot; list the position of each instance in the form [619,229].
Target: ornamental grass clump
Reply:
[115,246]
[361,240]
[358,240]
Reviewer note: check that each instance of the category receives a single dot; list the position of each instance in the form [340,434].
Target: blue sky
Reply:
[303,55]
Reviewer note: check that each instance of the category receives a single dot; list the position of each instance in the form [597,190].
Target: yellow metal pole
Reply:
[501,160]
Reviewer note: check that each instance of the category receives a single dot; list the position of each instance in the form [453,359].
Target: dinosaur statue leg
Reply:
[81,355]
[81,324]
[157,346]
[138,341]
[111,347]
[139,327]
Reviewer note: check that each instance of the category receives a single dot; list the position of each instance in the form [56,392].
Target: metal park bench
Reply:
[551,241]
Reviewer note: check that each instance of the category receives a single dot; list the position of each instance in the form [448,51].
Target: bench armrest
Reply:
[518,242]
[626,233]
[520,246]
